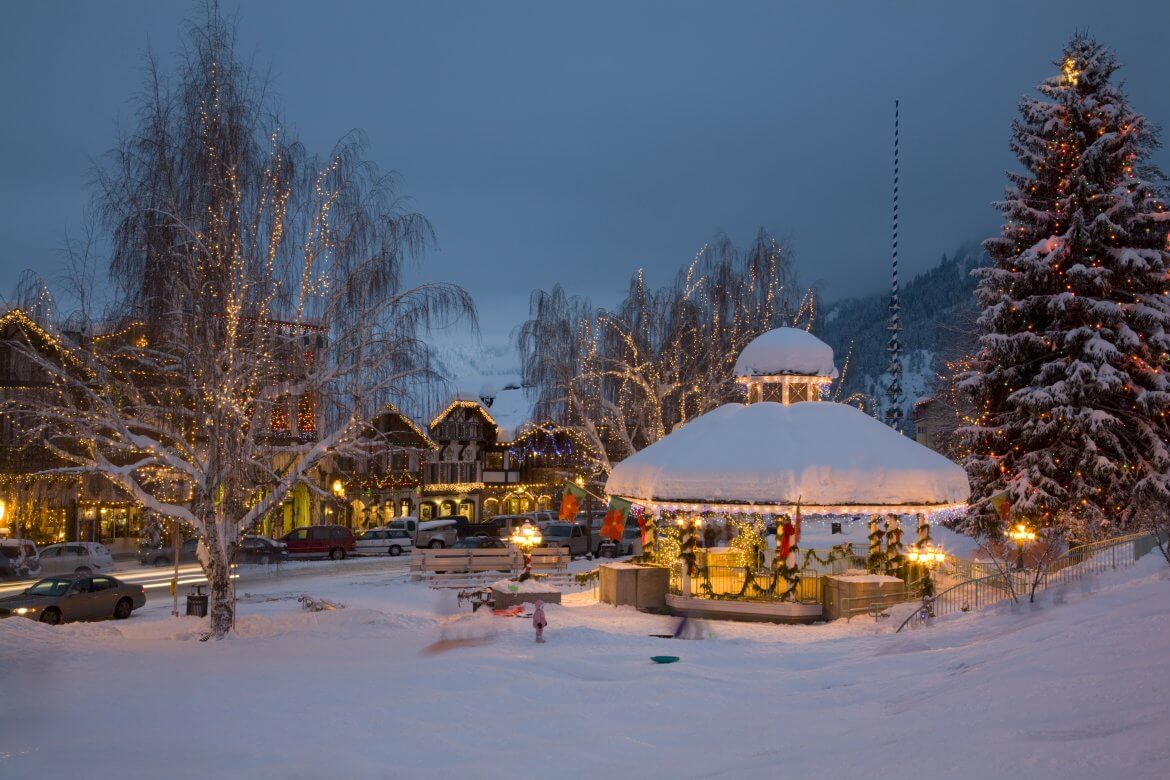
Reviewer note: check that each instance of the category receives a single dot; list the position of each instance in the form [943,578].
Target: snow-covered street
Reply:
[1069,690]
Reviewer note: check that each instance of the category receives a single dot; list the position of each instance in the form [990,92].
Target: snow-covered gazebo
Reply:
[786,447]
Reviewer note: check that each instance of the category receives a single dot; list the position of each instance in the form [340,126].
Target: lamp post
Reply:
[1021,534]
[928,557]
[526,537]
[339,493]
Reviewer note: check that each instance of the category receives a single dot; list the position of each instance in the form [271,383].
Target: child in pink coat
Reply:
[539,621]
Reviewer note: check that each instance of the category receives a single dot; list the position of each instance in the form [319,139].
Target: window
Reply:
[491,507]
[426,511]
[446,509]
[338,532]
[406,507]
[494,461]
[299,535]
[100,583]
[399,460]
[467,509]
[51,552]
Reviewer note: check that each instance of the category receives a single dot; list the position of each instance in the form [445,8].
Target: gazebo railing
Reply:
[1076,564]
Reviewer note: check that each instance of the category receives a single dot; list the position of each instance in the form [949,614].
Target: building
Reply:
[483,467]
[48,507]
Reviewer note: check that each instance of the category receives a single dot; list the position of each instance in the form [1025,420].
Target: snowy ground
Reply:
[1077,689]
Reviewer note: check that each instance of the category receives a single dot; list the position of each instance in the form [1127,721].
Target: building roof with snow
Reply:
[830,457]
[786,351]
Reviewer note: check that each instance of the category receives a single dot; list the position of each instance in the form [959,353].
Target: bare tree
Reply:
[625,378]
[262,315]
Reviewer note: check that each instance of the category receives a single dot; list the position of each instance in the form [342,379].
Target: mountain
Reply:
[938,310]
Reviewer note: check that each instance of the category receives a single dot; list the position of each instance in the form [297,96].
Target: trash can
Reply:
[608,549]
[197,602]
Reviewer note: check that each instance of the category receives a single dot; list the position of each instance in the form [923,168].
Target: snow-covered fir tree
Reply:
[1069,383]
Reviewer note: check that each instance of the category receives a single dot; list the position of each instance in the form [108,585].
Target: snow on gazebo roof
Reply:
[765,457]
[786,351]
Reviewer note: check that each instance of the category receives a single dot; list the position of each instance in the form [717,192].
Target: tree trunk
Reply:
[223,597]
[218,570]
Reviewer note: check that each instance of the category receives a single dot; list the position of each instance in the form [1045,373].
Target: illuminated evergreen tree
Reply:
[1069,381]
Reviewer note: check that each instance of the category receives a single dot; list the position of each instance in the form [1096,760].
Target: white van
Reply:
[428,533]
[83,558]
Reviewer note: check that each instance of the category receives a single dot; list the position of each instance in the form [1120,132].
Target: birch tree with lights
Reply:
[1070,391]
[624,378]
[256,285]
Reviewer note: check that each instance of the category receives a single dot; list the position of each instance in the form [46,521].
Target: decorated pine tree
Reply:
[1070,384]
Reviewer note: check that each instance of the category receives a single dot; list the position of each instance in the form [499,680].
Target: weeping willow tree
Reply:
[625,378]
[261,313]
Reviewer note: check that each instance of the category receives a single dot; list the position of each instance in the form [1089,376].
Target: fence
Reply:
[1078,563]
[745,583]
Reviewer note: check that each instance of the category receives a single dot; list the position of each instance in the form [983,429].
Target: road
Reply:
[158,579]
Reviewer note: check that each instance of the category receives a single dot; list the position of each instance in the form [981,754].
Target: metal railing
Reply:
[744,583]
[1079,562]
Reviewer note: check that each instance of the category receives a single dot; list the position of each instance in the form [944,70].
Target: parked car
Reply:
[164,554]
[260,549]
[316,541]
[570,536]
[479,543]
[506,525]
[625,548]
[18,558]
[62,599]
[427,533]
[542,517]
[80,558]
[385,541]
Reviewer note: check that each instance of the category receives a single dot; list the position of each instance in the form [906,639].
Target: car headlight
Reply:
[25,610]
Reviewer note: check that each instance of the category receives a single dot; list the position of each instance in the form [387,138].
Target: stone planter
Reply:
[504,597]
[850,595]
[628,584]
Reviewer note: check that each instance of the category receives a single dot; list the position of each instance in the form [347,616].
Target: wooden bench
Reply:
[443,568]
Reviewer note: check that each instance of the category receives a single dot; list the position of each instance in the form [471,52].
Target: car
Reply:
[164,554]
[569,536]
[63,599]
[482,542]
[260,549]
[316,541]
[506,525]
[427,533]
[387,541]
[18,559]
[80,558]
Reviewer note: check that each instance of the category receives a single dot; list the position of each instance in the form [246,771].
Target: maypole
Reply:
[894,325]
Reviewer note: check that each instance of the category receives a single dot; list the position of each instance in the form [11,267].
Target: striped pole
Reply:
[894,324]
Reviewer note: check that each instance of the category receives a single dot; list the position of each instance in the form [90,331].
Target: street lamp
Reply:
[527,537]
[1021,534]
[928,557]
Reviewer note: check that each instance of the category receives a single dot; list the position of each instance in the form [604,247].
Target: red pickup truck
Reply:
[317,541]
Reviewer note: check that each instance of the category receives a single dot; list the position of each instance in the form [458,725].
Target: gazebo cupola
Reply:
[786,366]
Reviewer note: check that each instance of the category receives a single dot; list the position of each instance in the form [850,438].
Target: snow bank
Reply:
[786,351]
[819,453]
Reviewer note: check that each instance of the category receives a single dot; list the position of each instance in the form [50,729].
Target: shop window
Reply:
[426,511]
[467,509]
[446,509]
[406,507]
[544,503]
[491,507]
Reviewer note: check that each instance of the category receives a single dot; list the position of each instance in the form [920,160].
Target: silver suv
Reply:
[569,536]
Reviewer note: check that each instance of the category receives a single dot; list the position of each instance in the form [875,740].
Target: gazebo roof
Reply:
[786,351]
[766,457]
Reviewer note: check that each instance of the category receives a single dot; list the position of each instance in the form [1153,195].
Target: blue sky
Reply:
[572,143]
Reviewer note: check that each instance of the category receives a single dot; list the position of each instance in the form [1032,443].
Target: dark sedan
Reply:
[164,555]
[479,543]
[261,549]
[63,599]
